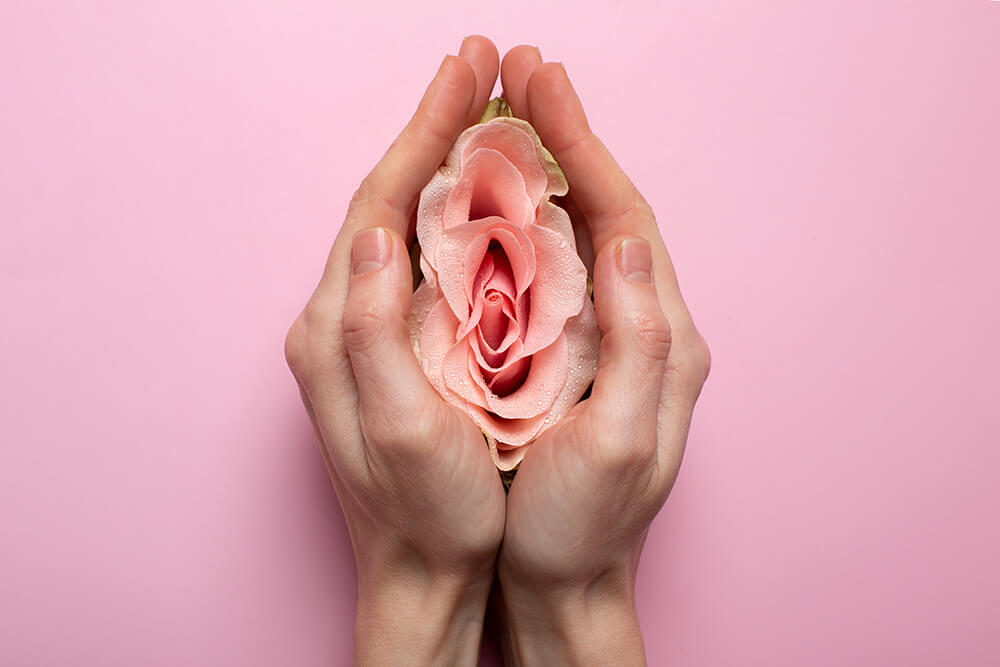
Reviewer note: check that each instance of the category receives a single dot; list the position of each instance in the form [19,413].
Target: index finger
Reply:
[388,194]
[602,191]
[611,204]
[453,100]
[394,184]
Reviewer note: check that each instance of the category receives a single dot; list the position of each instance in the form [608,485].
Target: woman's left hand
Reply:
[422,498]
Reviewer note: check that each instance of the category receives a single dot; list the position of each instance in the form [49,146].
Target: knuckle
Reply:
[362,198]
[698,359]
[621,448]
[434,127]
[301,343]
[644,210]
[641,214]
[295,344]
[363,191]
[626,454]
[701,359]
[370,198]
[402,434]
[653,334]
[692,364]
[362,325]
[307,342]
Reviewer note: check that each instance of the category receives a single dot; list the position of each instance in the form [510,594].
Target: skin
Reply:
[587,490]
[429,521]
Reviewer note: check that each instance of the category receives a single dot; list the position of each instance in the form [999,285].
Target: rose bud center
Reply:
[494,321]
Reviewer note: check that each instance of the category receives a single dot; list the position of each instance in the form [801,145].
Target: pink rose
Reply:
[502,322]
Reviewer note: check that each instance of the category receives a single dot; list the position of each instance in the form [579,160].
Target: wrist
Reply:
[583,623]
[419,615]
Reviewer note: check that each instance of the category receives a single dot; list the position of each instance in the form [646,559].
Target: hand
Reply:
[422,499]
[581,503]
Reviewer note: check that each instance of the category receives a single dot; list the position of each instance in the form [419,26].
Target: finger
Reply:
[612,206]
[389,193]
[392,388]
[634,349]
[515,71]
[482,56]
[584,244]
[323,372]
[600,188]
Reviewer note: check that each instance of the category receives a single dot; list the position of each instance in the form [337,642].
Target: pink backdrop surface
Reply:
[826,174]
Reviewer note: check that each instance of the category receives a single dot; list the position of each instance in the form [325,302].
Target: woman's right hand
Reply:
[583,498]
[421,496]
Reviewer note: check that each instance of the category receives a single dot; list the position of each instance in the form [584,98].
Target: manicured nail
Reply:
[370,251]
[635,260]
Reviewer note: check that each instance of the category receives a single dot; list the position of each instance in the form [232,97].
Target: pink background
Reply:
[827,176]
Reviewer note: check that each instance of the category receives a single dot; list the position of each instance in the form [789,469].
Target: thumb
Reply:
[635,345]
[392,388]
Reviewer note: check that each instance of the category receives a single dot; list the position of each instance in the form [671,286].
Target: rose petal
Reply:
[478,288]
[502,278]
[514,432]
[488,185]
[493,322]
[424,299]
[520,144]
[582,337]
[486,270]
[461,251]
[495,361]
[537,393]
[509,379]
[488,359]
[557,219]
[512,328]
[430,275]
[474,348]
[463,377]
[513,138]
[430,213]
[558,290]
[583,340]
[505,457]
[437,337]
[494,274]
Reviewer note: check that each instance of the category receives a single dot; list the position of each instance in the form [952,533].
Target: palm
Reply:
[558,498]
[464,474]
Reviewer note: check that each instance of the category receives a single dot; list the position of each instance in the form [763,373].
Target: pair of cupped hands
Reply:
[432,528]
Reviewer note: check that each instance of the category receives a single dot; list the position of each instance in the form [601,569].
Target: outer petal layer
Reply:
[502,323]
[583,340]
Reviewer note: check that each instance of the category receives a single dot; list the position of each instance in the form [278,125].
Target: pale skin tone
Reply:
[431,526]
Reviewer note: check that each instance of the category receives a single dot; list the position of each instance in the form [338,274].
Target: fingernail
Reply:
[537,50]
[635,260]
[370,250]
